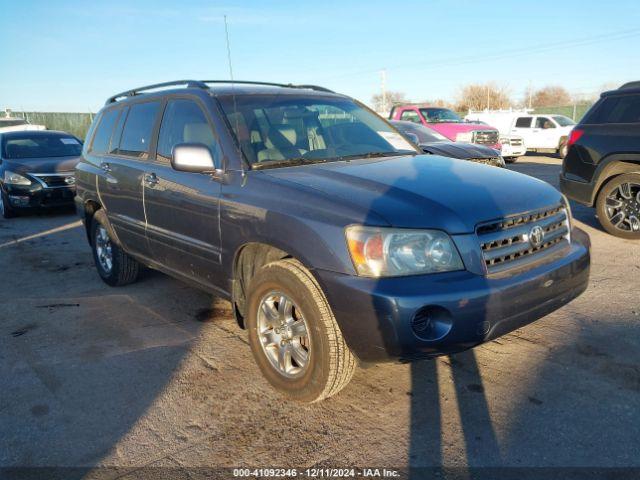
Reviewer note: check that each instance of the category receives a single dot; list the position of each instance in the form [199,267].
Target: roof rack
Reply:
[630,85]
[271,84]
[203,84]
[137,91]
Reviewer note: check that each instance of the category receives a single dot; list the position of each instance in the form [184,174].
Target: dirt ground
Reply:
[157,374]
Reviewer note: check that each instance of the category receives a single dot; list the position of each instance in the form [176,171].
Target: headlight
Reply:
[464,137]
[12,178]
[391,252]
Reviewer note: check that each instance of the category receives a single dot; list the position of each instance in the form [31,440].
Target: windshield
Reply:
[28,145]
[440,115]
[282,130]
[424,134]
[563,121]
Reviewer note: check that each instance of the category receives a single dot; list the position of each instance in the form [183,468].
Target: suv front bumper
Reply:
[376,316]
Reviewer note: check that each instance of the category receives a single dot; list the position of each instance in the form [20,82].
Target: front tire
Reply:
[562,151]
[293,334]
[115,267]
[510,159]
[5,207]
[618,206]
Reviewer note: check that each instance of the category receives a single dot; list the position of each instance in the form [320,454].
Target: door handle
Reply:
[150,179]
[105,166]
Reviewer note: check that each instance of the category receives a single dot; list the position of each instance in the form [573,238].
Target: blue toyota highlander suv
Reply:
[334,238]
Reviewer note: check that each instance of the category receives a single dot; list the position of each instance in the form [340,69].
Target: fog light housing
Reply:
[432,322]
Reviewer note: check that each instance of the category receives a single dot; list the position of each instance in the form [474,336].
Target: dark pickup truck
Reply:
[334,238]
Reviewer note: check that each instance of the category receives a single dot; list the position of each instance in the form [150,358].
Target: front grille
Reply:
[54,180]
[516,142]
[494,161]
[510,242]
[486,137]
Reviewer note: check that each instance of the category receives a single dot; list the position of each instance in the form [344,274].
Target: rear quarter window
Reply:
[616,109]
[100,143]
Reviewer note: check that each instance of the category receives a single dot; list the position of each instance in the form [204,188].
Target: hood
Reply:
[450,130]
[41,165]
[459,150]
[425,191]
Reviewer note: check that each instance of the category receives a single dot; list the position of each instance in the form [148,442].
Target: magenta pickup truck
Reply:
[448,124]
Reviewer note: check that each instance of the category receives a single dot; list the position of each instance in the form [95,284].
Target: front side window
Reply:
[137,131]
[617,109]
[184,122]
[410,116]
[544,122]
[282,130]
[102,137]
[30,145]
[523,122]
[440,115]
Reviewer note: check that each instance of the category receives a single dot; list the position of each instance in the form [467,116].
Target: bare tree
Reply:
[393,98]
[481,96]
[551,96]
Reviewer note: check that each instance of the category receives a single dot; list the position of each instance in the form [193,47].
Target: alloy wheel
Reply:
[623,207]
[103,249]
[283,334]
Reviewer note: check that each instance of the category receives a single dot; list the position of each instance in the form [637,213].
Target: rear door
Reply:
[121,188]
[183,208]
[522,126]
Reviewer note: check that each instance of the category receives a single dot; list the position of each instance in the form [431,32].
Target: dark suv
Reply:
[330,233]
[602,166]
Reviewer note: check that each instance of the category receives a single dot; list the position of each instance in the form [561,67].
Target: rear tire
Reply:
[115,267]
[5,207]
[618,206]
[322,363]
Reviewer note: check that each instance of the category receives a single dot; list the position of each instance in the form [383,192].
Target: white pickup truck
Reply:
[541,132]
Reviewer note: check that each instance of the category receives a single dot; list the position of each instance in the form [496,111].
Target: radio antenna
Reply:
[233,93]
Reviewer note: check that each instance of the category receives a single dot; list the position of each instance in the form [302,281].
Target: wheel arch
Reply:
[614,166]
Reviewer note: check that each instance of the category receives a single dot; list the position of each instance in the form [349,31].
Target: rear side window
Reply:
[102,137]
[617,109]
[138,128]
[184,122]
[410,116]
[523,122]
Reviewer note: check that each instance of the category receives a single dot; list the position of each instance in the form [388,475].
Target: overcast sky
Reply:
[71,55]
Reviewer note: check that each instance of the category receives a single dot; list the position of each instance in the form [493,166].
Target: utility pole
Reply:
[383,87]
[530,93]
[488,107]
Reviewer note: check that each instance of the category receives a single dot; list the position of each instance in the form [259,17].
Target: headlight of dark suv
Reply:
[392,252]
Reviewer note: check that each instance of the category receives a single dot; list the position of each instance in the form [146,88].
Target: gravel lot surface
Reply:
[158,374]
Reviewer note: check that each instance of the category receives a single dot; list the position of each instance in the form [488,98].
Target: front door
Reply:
[546,132]
[183,208]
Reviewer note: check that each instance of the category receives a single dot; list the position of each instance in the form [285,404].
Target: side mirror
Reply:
[192,157]
[413,138]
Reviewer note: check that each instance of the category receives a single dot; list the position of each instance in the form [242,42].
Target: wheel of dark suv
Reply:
[618,206]
[5,208]
[293,334]
[115,267]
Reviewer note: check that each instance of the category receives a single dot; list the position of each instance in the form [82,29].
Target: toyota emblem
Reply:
[536,236]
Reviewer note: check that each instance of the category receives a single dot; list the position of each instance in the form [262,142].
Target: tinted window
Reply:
[184,122]
[544,122]
[523,122]
[29,145]
[105,129]
[138,128]
[619,109]
[410,116]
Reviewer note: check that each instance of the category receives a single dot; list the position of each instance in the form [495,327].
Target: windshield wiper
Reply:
[378,154]
[288,162]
